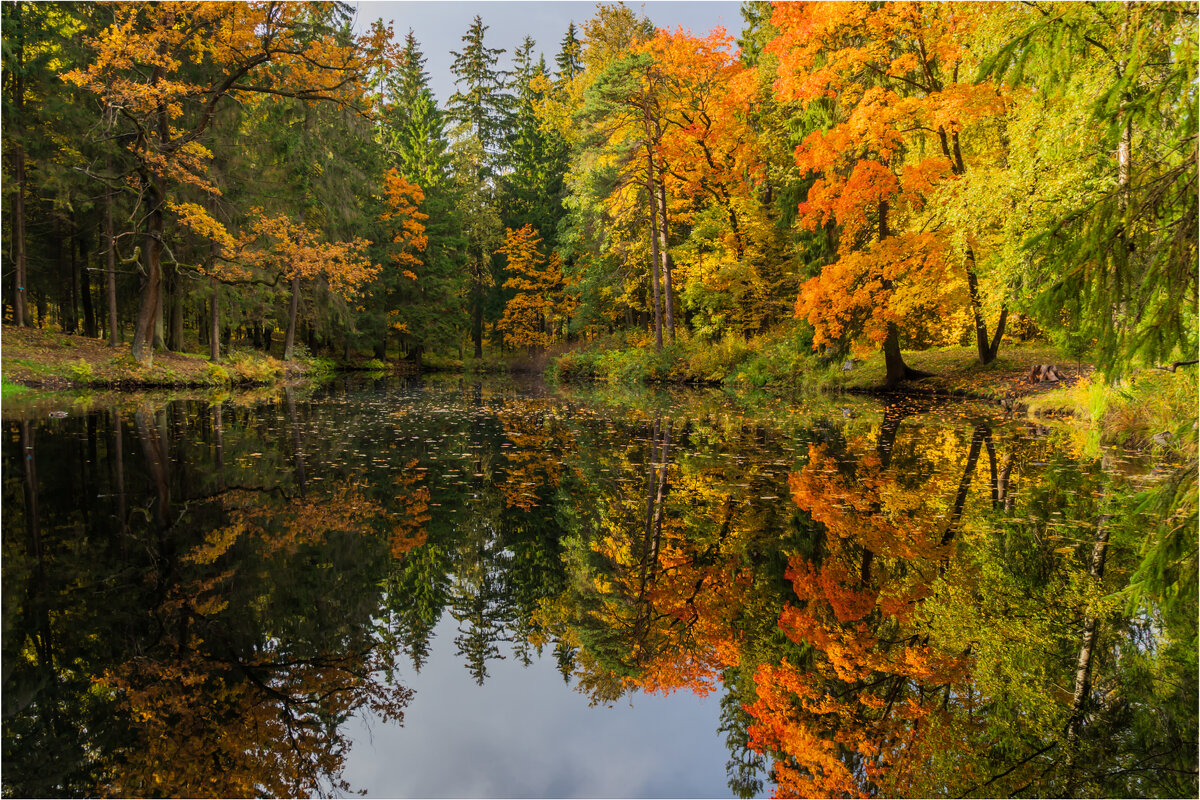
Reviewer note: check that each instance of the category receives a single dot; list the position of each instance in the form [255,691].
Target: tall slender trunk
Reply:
[76,288]
[110,266]
[214,320]
[654,269]
[986,350]
[85,287]
[289,342]
[160,341]
[143,331]
[174,289]
[150,306]
[20,312]
[65,270]
[896,370]
[665,254]
[20,306]
[477,309]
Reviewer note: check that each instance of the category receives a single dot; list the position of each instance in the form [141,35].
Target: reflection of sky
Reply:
[525,733]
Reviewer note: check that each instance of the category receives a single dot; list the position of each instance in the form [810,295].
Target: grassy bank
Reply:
[44,359]
[784,359]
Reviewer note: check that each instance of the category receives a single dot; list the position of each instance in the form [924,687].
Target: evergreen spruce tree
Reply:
[570,56]
[480,107]
[481,111]
[429,311]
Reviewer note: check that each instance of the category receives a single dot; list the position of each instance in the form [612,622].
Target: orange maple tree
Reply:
[889,77]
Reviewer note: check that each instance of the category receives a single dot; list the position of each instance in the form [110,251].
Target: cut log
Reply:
[1041,373]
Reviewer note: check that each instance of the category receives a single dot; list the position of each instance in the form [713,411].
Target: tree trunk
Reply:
[20,306]
[160,342]
[665,255]
[1083,664]
[85,286]
[986,350]
[20,314]
[214,321]
[76,283]
[654,269]
[289,342]
[477,311]
[110,265]
[175,317]
[896,370]
[143,331]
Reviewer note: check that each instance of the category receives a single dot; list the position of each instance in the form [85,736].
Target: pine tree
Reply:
[480,107]
[570,57]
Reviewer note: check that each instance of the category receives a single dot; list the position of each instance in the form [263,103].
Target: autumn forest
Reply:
[628,358]
[842,178]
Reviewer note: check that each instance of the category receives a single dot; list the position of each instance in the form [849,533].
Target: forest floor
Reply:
[957,371]
[48,359]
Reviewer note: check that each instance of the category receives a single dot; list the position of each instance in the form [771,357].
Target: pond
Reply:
[493,588]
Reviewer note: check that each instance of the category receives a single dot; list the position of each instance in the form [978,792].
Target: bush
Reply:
[216,373]
[81,371]
[255,367]
[572,366]
[375,365]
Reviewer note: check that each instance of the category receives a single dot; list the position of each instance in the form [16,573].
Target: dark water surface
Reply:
[455,588]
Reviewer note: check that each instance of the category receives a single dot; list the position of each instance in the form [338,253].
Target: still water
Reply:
[460,588]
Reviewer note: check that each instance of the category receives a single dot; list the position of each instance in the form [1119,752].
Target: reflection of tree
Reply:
[534,459]
[966,649]
[216,646]
[858,720]
[658,573]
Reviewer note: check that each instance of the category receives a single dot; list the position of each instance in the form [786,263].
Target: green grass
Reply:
[10,390]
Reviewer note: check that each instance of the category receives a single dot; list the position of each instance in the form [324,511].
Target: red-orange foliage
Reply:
[890,74]
[874,680]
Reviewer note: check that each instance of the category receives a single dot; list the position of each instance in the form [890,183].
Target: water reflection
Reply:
[902,600]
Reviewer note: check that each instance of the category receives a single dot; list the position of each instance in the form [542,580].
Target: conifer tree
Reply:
[480,106]
[429,307]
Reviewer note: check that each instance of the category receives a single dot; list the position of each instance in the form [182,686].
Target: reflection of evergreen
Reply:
[745,768]
[535,571]
[416,596]
[478,604]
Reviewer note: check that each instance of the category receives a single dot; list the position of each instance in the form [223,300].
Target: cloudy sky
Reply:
[440,24]
[524,733]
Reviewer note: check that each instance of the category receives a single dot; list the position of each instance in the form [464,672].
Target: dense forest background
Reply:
[839,178]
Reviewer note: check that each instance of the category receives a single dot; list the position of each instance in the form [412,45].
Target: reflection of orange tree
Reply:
[875,702]
[219,705]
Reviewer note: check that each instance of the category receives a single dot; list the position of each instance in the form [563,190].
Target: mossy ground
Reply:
[51,360]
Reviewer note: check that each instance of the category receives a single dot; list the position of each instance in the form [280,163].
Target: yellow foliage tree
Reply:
[531,316]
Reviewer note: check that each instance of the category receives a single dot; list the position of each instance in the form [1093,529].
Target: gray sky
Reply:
[440,24]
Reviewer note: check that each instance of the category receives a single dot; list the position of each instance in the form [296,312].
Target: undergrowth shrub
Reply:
[254,367]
